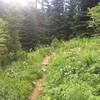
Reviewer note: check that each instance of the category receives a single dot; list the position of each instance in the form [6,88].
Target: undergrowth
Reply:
[74,71]
[18,78]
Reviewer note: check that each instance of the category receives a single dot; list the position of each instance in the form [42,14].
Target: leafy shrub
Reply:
[95,15]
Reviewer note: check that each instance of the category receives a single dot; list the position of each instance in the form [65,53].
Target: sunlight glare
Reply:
[21,2]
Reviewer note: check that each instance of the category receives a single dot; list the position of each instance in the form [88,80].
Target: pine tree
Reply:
[80,24]
[4,40]
[28,34]
[14,17]
[56,18]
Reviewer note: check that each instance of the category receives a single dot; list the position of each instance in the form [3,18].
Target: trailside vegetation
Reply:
[68,31]
[74,71]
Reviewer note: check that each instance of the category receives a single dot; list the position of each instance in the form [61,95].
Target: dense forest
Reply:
[68,31]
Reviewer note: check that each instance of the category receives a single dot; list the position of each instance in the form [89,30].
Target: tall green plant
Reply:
[4,38]
[95,15]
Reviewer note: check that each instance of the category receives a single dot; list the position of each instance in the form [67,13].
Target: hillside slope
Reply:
[17,79]
[74,71]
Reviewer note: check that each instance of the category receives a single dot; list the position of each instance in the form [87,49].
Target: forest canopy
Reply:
[39,22]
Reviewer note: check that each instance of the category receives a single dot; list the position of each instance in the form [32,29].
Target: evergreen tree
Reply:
[14,17]
[56,18]
[4,41]
[28,35]
[85,4]
[80,18]
[94,13]
[70,13]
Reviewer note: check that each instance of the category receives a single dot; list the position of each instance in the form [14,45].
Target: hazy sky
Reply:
[22,2]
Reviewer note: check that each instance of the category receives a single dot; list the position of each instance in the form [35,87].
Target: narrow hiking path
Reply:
[38,84]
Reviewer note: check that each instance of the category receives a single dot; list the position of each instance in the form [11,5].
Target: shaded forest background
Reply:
[23,28]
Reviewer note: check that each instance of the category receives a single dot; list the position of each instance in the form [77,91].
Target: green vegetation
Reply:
[18,78]
[74,71]
[95,15]
[4,38]
[69,30]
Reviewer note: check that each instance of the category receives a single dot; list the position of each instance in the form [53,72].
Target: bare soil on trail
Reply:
[38,83]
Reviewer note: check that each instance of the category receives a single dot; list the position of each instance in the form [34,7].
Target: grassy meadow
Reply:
[73,72]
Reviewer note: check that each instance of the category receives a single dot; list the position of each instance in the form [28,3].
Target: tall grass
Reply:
[18,78]
[74,71]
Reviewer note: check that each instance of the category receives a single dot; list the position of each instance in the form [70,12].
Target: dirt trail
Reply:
[38,84]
